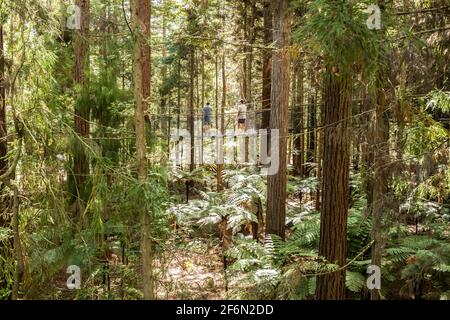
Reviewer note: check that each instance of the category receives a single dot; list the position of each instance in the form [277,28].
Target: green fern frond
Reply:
[442,267]
[354,281]
[399,254]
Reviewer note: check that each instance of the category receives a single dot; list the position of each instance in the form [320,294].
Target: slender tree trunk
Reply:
[4,217]
[249,54]
[244,48]
[311,143]
[381,158]
[367,150]
[276,184]
[216,96]
[141,12]
[298,119]
[197,76]
[222,108]
[336,163]
[163,111]
[250,31]
[18,254]
[222,118]
[3,127]
[216,118]
[202,103]
[203,78]
[319,151]
[192,102]
[192,106]
[179,104]
[267,65]
[169,122]
[216,89]
[82,108]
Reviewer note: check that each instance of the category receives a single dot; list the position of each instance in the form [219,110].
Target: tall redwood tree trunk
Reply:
[141,13]
[276,184]
[335,183]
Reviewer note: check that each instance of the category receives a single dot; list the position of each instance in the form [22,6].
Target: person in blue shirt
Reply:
[207,116]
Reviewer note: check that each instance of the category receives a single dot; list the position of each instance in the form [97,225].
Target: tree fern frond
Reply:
[354,281]
[399,254]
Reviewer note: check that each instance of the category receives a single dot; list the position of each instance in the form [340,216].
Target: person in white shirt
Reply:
[242,115]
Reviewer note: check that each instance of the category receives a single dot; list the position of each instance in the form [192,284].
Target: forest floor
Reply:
[194,270]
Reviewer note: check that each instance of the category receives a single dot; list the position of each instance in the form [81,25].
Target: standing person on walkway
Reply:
[242,115]
[207,116]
